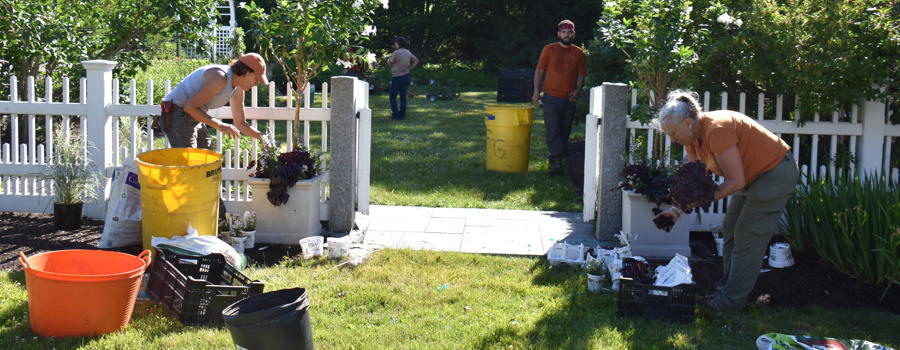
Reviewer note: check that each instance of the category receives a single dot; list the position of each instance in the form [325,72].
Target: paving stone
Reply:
[446,225]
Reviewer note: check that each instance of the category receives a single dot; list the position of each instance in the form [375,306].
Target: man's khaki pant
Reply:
[749,224]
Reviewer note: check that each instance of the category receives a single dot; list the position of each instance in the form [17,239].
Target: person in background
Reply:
[186,121]
[566,68]
[760,176]
[402,62]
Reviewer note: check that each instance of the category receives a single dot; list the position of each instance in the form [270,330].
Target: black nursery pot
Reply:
[67,216]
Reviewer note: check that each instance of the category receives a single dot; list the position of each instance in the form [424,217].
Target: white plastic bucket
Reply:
[251,238]
[720,244]
[237,242]
[780,255]
[338,248]
[312,246]
[595,282]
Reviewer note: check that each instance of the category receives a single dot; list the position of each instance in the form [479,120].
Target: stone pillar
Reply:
[99,130]
[342,201]
[613,115]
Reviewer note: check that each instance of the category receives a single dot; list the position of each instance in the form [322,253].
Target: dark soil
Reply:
[32,234]
[664,223]
[810,281]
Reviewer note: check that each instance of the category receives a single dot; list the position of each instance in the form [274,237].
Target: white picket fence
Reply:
[868,135]
[100,113]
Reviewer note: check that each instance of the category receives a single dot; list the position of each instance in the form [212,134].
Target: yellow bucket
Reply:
[179,186]
[508,137]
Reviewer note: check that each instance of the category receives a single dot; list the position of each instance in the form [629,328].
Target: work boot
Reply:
[556,168]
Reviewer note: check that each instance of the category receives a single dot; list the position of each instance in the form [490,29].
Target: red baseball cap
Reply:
[257,64]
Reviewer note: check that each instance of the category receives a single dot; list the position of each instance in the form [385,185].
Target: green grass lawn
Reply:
[436,157]
[404,299]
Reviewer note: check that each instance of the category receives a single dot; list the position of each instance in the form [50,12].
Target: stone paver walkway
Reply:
[485,231]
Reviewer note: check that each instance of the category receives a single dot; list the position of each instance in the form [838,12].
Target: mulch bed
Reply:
[809,282]
[32,233]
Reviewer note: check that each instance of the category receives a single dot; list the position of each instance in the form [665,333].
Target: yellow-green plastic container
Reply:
[508,137]
[179,186]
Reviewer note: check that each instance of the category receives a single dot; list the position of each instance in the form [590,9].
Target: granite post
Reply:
[613,114]
[342,200]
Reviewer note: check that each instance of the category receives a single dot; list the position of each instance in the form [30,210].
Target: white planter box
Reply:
[637,218]
[290,222]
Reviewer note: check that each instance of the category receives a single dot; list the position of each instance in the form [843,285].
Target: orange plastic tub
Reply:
[82,292]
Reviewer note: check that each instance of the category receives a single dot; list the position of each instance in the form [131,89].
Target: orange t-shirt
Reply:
[760,149]
[563,66]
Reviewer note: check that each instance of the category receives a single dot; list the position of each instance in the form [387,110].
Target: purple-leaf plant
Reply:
[284,169]
[693,183]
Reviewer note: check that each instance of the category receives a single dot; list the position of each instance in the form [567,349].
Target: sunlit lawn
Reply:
[436,157]
[405,299]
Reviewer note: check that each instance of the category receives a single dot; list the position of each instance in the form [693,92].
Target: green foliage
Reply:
[852,223]
[237,43]
[828,53]
[595,267]
[660,40]
[446,91]
[305,36]
[487,34]
[159,71]
[423,75]
[75,177]
[51,37]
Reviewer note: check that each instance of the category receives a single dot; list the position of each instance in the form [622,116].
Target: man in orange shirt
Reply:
[566,69]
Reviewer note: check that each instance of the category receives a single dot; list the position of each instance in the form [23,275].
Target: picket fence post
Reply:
[870,146]
[99,129]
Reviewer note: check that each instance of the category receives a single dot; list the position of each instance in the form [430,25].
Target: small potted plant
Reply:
[596,273]
[74,176]
[237,240]
[249,229]
[718,236]
[285,188]
[225,229]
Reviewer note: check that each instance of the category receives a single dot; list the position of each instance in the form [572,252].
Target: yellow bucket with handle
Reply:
[179,186]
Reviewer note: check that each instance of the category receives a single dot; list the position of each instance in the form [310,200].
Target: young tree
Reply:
[305,36]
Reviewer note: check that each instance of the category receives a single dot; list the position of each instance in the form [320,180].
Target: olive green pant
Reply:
[750,221]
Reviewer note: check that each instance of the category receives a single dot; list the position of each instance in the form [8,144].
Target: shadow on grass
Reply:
[438,153]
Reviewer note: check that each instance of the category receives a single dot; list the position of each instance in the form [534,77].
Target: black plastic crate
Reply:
[195,289]
[635,299]
[515,85]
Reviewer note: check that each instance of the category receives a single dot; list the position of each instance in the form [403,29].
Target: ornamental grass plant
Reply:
[74,176]
[850,221]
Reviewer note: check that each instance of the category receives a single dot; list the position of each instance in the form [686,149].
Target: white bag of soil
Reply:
[123,218]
